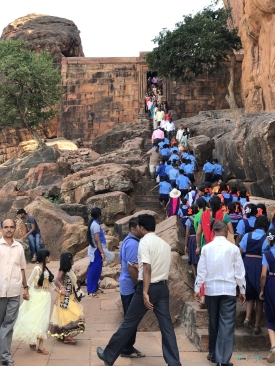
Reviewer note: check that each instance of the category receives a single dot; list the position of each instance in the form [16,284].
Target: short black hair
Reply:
[181,171]
[148,222]
[252,208]
[21,211]
[169,162]
[133,222]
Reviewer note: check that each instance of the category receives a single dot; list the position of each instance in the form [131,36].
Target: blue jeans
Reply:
[34,242]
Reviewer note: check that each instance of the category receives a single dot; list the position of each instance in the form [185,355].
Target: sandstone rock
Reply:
[10,204]
[114,205]
[59,231]
[114,139]
[80,255]
[83,265]
[80,186]
[107,230]
[112,272]
[62,144]
[203,148]
[109,283]
[171,230]
[76,209]
[112,243]
[121,227]
[256,22]
[59,36]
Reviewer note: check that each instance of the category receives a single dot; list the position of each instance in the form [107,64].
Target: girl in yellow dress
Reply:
[67,318]
[34,315]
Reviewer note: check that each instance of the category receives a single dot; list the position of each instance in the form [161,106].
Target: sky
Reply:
[109,28]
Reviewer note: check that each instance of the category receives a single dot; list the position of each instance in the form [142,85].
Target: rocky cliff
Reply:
[255,20]
[59,36]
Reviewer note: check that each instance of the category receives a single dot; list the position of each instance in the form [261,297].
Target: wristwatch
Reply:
[25,287]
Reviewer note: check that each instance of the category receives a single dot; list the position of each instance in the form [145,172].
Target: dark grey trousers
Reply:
[9,307]
[159,297]
[222,318]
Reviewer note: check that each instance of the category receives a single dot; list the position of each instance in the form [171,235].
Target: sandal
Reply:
[257,331]
[69,340]
[246,323]
[32,347]
[101,291]
[42,351]
[135,354]
[9,363]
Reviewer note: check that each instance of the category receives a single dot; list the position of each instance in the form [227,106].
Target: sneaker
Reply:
[271,357]
[34,258]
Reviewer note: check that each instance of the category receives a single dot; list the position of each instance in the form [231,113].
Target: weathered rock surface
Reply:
[59,36]
[108,282]
[171,230]
[112,243]
[203,146]
[80,186]
[121,227]
[256,22]
[114,205]
[114,139]
[76,209]
[59,231]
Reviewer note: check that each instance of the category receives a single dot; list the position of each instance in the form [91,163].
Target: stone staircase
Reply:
[195,321]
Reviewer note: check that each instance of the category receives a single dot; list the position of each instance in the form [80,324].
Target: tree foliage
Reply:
[29,87]
[200,43]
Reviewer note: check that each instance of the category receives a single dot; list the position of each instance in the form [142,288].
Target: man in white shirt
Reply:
[179,133]
[159,116]
[170,128]
[221,269]
[152,293]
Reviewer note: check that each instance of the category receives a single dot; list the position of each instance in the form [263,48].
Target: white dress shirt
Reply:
[220,268]
[170,126]
[179,134]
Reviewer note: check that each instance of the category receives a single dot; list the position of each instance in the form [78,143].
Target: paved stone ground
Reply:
[102,319]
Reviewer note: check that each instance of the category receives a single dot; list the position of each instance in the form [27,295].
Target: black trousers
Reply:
[126,301]
[222,318]
[208,177]
[159,297]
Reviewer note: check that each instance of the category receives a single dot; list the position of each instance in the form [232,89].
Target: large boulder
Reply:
[114,205]
[203,147]
[121,227]
[82,185]
[75,209]
[11,203]
[171,230]
[59,36]
[59,231]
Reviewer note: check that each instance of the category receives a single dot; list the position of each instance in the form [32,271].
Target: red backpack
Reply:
[206,224]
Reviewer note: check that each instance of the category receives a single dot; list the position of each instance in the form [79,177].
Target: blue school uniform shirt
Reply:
[184,155]
[160,145]
[182,165]
[174,156]
[128,253]
[173,174]
[168,168]
[166,141]
[257,235]
[235,197]
[183,211]
[264,261]
[174,148]
[241,227]
[192,158]
[272,226]
[161,171]
[188,169]
[243,201]
[165,152]
[218,169]
[182,181]
[208,167]
[165,188]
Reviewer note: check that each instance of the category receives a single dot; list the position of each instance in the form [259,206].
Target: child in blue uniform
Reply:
[253,245]
[208,169]
[234,216]
[183,183]
[267,291]
[243,197]
[246,225]
[190,240]
[164,189]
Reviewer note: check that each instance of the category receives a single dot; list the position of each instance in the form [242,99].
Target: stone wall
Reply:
[99,93]
[205,93]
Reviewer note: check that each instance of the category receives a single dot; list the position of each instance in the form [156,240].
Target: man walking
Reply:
[152,293]
[128,256]
[154,161]
[32,232]
[12,277]
[221,277]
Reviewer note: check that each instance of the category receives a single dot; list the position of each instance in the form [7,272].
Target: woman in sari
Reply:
[67,318]
[173,204]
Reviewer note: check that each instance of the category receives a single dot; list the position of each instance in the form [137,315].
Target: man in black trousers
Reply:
[221,269]
[152,293]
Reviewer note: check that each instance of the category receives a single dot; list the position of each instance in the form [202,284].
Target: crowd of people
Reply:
[172,165]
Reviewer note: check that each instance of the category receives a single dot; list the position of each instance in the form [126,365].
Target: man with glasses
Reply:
[12,277]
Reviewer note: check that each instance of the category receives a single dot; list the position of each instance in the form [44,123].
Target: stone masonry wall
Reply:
[99,93]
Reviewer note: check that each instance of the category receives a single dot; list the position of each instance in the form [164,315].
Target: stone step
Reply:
[243,341]
[195,321]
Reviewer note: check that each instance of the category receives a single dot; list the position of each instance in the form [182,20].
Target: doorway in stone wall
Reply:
[154,87]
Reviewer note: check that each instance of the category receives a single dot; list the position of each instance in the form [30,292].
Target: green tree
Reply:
[30,87]
[201,43]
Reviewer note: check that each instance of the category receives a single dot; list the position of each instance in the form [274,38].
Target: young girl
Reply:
[272,224]
[234,216]
[34,315]
[267,290]
[67,318]
[183,211]
[224,191]
[261,209]
[190,240]
[243,196]
[234,194]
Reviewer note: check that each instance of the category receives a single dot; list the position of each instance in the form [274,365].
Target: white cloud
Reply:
[109,27]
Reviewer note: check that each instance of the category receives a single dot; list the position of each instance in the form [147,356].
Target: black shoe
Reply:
[225,364]
[211,358]
[100,354]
